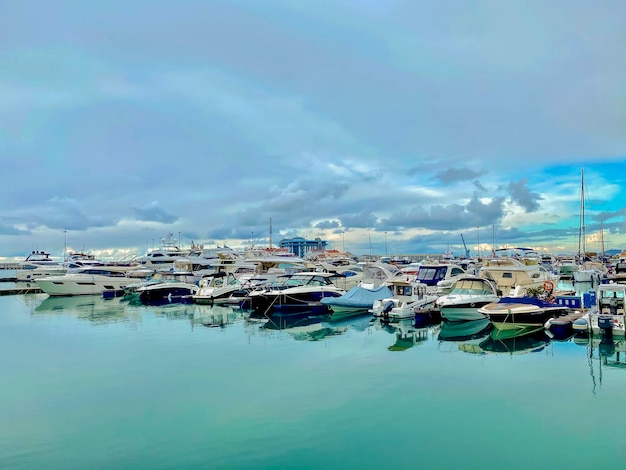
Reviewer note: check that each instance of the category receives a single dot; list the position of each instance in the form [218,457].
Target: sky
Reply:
[381,126]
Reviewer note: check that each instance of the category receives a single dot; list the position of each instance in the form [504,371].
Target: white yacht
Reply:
[88,280]
[513,276]
[466,297]
[38,264]
[163,258]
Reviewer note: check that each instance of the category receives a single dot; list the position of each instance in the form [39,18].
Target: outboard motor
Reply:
[387,307]
[605,323]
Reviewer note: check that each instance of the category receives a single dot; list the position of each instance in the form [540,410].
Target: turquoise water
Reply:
[94,383]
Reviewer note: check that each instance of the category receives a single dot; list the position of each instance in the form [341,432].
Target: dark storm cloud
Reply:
[520,193]
[454,175]
[154,212]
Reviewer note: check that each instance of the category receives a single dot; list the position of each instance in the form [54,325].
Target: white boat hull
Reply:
[80,284]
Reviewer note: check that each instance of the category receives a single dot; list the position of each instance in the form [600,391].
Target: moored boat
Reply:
[468,294]
[520,312]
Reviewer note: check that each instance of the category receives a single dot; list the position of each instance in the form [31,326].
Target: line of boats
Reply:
[512,293]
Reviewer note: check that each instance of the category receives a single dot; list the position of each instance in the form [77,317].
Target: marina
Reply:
[102,382]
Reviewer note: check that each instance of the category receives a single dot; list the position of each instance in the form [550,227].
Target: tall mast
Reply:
[581,228]
[270,232]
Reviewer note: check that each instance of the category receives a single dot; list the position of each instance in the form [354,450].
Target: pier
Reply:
[21,290]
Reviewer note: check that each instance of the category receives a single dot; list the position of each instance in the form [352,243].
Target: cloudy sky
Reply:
[409,121]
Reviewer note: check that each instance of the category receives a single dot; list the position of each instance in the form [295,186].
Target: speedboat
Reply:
[468,294]
[216,288]
[167,292]
[298,292]
[607,316]
[88,280]
[409,299]
[520,312]
[357,300]
[440,276]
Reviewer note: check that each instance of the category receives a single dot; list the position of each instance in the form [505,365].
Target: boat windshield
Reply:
[470,287]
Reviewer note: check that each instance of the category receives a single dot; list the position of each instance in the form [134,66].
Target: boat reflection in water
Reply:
[466,334]
[93,308]
[214,316]
[516,341]
[603,353]
[303,326]
[406,332]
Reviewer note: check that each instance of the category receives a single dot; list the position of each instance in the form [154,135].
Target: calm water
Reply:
[93,383]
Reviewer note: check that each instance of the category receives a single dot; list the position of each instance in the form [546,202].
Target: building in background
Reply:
[300,246]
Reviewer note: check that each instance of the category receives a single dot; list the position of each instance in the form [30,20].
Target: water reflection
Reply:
[407,334]
[516,341]
[216,316]
[92,308]
[302,326]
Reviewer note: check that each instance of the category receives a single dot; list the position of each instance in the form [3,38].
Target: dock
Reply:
[21,290]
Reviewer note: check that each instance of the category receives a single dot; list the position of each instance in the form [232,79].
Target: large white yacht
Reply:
[88,280]
[38,264]
[163,258]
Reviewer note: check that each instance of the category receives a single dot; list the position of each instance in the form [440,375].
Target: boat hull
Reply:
[82,284]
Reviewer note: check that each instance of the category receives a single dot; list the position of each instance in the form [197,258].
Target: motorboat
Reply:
[607,316]
[87,280]
[520,312]
[167,292]
[514,276]
[216,288]
[38,264]
[356,300]
[590,271]
[468,294]
[409,299]
[439,276]
[298,292]
[163,258]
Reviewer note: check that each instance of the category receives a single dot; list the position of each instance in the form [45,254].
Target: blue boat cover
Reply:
[359,297]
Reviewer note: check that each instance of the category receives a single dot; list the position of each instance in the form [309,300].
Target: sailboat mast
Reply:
[581,228]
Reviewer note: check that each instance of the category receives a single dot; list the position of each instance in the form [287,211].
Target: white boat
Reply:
[87,280]
[439,276]
[513,276]
[216,288]
[163,258]
[590,271]
[468,294]
[38,264]
[409,299]
[607,317]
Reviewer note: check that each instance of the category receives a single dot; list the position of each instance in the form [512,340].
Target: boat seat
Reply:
[619,311]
